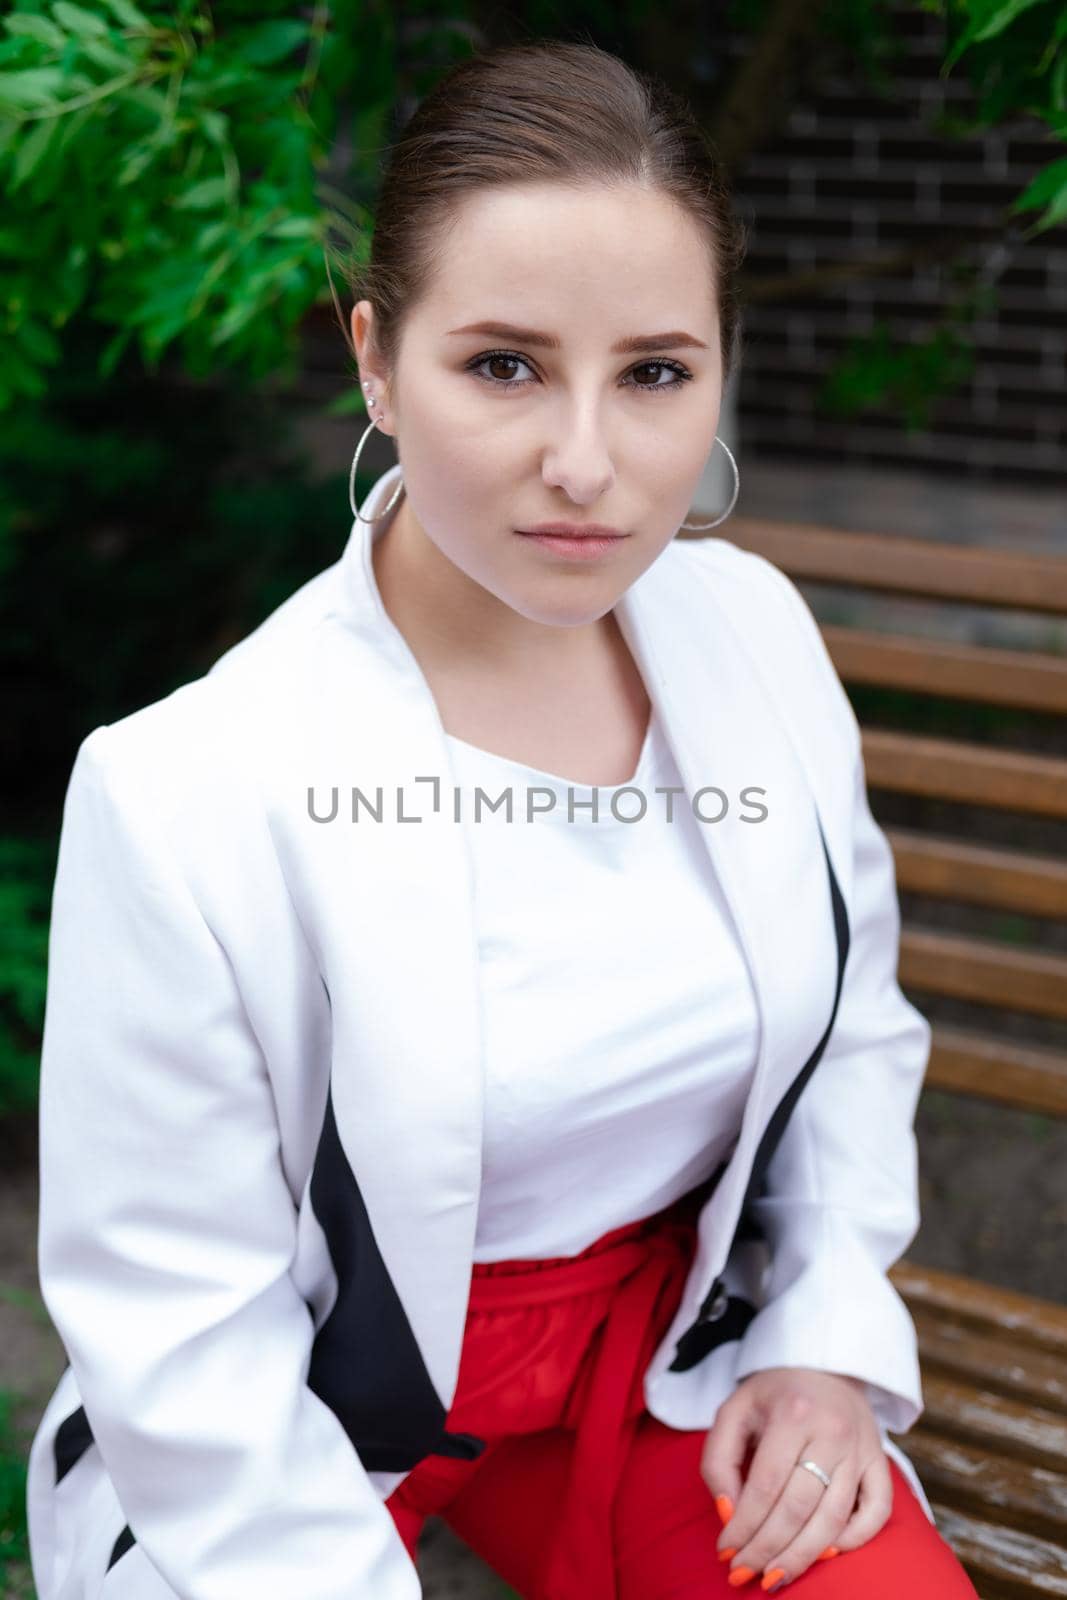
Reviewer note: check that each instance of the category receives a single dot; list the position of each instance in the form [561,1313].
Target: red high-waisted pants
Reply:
[580,1493]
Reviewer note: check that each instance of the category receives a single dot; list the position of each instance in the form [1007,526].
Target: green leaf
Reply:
[31,88]
[77,21]
[233,320]
[39,342]
[202,196]
[1002,13]
[127,14]
[105,55]
[296,228]
[38,28]
[31,152]
[270,41]
[18,374]
[992,17]
[113,350]
[209,238]
[215,125]
[153,102]
[137,159]
[1050,183]
[69,126]
[1055,213]
[1058,85]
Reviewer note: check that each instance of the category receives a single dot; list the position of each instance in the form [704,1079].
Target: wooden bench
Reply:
[991,1445]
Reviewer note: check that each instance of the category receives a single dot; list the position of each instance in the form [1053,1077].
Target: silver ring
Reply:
[819,1473]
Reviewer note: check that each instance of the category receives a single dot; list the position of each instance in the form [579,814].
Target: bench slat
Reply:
[947,769]
[1026,1077]
[990,1360]
[1018,977]
[1029,680]
[981,875]
[1027,1498]
[1024,1317]
[1000,1561]
[919,567]
[995,1422]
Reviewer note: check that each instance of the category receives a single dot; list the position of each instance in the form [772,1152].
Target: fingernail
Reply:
[769,1579]
[831,1550]
[729,1553]
[740,1575]
[724,1506]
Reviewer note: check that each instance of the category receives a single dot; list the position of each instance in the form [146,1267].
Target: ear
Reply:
[371,372]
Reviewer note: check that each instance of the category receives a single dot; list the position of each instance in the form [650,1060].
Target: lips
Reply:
[575,530]
[588,547]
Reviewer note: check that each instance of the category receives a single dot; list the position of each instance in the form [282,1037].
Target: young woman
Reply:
[475,1080]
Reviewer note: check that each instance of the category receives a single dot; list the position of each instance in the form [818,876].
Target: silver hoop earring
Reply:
[352,474]
[696,526]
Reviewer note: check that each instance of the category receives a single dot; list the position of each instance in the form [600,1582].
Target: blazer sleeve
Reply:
[840,1201]
[167,1230]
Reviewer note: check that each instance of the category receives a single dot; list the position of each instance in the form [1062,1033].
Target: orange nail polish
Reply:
[724,1506]
[769,1579]
[729,1553]
[831,1550]
[740,1575]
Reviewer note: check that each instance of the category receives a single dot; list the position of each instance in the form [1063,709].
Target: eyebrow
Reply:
[642,342]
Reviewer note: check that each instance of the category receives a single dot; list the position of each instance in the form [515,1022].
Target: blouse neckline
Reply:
[648,763]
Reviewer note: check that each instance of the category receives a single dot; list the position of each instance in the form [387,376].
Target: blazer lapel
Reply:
[727,731]
[727,734]
[388,908]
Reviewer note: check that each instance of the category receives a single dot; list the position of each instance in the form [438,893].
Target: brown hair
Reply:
[535,112]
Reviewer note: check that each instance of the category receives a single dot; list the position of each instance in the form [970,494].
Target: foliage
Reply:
[164,518]
[160,176]
[14,1542]
[26,870]
[1015,54]
[878,369]
[157,515]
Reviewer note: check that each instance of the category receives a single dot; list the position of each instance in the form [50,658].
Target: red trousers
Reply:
[580,1493]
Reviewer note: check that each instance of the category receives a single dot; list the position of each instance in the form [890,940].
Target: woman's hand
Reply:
[780,1518]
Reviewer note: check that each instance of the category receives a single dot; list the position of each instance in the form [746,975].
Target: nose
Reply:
[579,460]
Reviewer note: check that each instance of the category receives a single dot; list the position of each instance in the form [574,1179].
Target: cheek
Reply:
[476,486]
[675,470]
[465,454]
[693,436]
[443,467]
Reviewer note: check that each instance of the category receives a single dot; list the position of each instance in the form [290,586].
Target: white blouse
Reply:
[620,1023]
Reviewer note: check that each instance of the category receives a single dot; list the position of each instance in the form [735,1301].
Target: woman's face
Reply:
[564,422]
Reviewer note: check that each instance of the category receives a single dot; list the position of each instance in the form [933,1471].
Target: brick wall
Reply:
[850,174]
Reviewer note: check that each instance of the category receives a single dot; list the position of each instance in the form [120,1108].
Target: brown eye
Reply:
[499,358]
[501,361]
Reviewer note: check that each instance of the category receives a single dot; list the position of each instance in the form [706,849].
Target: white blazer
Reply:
[261,1086]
